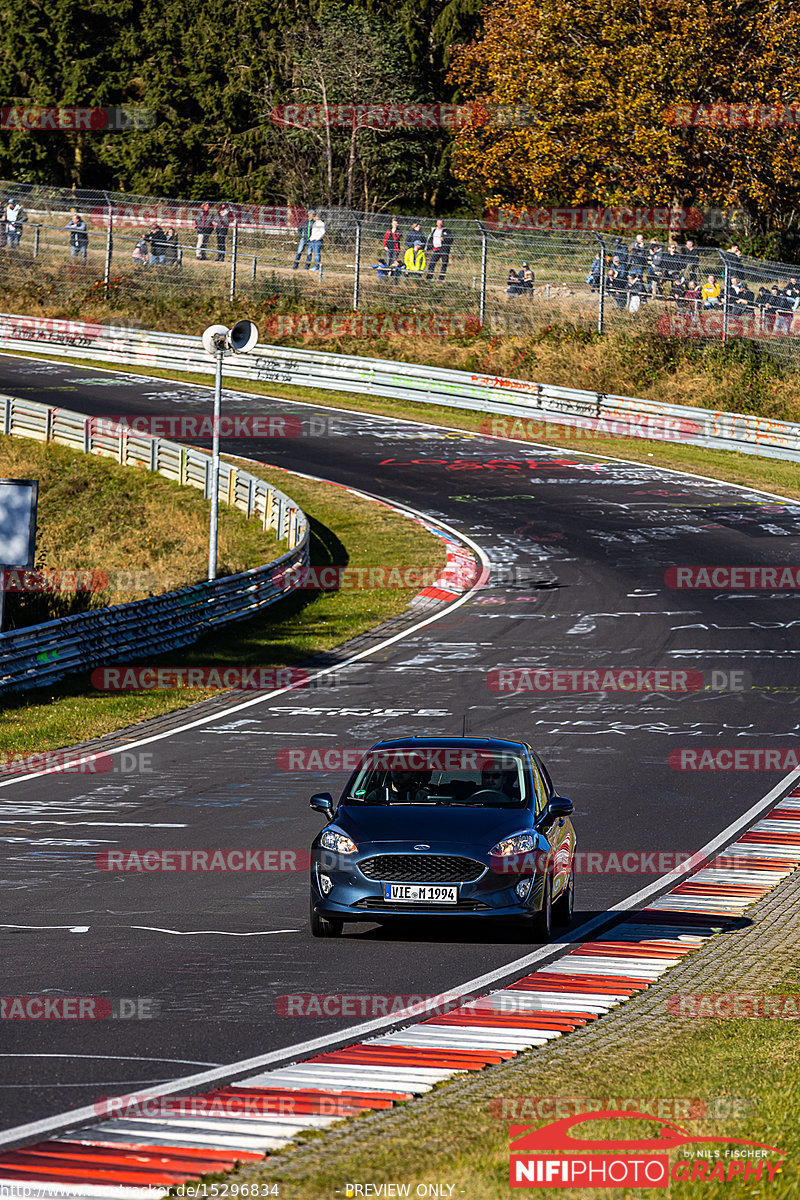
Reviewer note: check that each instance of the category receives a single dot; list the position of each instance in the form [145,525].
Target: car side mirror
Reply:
[322,802]
[559,806]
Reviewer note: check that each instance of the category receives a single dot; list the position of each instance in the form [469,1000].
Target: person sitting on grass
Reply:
[140,253]
[415,261]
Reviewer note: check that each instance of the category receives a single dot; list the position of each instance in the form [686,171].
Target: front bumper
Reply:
[354,897]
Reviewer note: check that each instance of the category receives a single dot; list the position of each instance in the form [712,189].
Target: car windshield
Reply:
[433,775]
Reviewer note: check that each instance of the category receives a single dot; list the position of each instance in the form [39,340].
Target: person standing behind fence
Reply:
[13,224]
[304,240]
[315,243]
[155,240]
[414,235]
[204,224]
[78,237]
[223,224]
[440,241]
[170,247]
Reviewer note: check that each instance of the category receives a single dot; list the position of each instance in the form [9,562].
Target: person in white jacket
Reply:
[13,224]
[315,241]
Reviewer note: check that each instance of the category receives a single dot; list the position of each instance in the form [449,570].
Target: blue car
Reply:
[445,827]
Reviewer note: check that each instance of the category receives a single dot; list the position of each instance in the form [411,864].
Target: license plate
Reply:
[420,893]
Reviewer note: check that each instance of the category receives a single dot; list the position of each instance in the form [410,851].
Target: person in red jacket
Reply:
[391,250]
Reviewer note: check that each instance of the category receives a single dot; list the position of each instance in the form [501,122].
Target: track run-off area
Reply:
[582,554]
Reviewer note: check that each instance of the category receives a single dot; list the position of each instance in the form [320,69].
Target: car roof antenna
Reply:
[464,724]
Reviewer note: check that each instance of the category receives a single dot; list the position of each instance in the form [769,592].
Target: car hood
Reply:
[442,828]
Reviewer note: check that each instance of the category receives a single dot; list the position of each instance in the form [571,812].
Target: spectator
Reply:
[315,242]
[513,283]
[204,224]
[672,263]
[14,219]
[593,278]
[618,285]
[78,237]
[761,302]
[155,243]
[655,271]
[391,242]
[440,241]
[692,295]
[141,252]
[304,240]
[527,278]
[792,292]
[222,225]
[617,265]
[414,260]
[691,260]
[677,292]
[170,247]
[711,292]
[637,258]
[414,235]
[733,257]
[777,309]
[621,253]
[637,292]
[741,300]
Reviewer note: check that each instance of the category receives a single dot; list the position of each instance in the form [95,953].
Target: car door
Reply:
[558,830]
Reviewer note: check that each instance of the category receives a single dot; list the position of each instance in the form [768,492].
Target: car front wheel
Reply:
[562,909]
[324,927]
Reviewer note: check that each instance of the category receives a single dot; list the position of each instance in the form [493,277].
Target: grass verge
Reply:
[132,533]
[345,530]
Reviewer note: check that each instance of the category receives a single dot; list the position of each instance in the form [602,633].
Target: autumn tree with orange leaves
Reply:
[602,81]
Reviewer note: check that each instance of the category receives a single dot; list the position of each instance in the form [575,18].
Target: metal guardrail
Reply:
[510,398]
[40,654]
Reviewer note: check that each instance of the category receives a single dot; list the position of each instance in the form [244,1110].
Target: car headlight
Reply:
[332,839]
[518,843]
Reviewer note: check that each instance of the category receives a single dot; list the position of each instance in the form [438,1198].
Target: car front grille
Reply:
[422,868]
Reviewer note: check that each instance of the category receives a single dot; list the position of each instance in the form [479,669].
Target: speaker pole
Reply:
[213,531]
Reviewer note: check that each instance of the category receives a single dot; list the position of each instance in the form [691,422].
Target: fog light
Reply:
[325,884]
[522,888]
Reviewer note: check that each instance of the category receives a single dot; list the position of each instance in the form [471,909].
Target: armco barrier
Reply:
[411,382]
[40,654]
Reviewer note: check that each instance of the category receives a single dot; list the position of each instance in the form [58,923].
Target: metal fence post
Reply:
[484,244]
[107,267]
[234,252]
[36,233]
[725,296]
[357,273]
[601,298]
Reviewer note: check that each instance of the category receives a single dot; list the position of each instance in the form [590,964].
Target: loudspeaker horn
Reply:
[210,335]
[242,337]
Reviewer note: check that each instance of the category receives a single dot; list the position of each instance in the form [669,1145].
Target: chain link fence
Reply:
[359,279]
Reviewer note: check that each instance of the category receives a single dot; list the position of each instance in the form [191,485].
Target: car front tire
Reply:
[324,927]
[564,905]
[543,921]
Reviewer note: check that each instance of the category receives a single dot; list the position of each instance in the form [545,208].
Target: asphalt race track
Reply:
[583,546]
